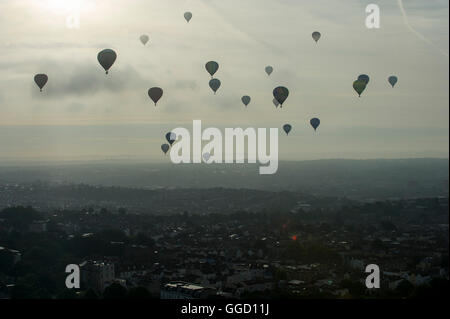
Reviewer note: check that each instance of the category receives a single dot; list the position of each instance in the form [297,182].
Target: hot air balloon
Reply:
[393,80]
[144,39]
[214,84]
[206,157]
[188,16]
[106,58]
[269,70]
[359,87]
[275,102]
[281,94]
[155,94]
[316,36]
[365,78]
[246,99]
[212,67]
[165,148]
[41,80]
[315,122]
[287,128]
[171,138]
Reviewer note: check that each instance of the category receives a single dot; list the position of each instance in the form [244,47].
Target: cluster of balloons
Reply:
[360,84]
[315,122]
[363,80]
[212,67]
[107,57]
[171,138]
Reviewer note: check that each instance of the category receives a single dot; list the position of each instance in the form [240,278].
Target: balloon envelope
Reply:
[287,128]
[188,16]
[281,94]
[144,39]
[365,78]
[171,137]
[155,94]
[40,80]
[269,70]
[106,58]
[206,157]
[246,99]
[214,84]
[359,87]
[276,103]
[212,67]
[393,80]
[316,36]
[315,122]
[165,148]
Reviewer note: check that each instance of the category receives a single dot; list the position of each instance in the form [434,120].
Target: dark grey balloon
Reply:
[214,84]
[246,100]
[155,94]
[106,58]
[287,128]
[393,80]
[315,122]
[40,80]
[212,67]
[281,94]
[165,148]
[316,36]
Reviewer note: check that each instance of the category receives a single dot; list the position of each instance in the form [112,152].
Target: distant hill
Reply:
[356,179]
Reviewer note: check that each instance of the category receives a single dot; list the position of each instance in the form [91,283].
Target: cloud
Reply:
[185,84]
[67,80]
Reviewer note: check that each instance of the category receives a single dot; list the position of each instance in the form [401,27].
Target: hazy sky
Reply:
[84,114]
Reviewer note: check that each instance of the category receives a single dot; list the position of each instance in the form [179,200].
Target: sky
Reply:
[83,114]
